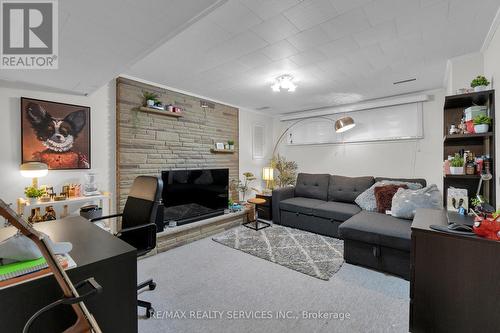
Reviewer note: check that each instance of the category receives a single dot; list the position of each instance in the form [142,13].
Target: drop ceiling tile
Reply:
[346,24]
[383,10]
[266,9]
[343,6]
[275,29]
[280,50]
[234,17]
[310,38]
[380,33]
[310,13]
[308,57]
[339,47]
[255,59]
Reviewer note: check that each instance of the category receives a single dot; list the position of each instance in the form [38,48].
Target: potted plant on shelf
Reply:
[32,194]
[457,165]
[482,123]
[230,144]
[150,99]
[479,83]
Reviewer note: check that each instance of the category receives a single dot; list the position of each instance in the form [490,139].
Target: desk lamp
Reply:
[34,170]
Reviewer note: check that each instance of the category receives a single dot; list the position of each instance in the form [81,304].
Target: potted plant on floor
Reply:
[286,171]
[479,83]
[150,99]
[231,144]
[482,123]
[457,165]
[33,193]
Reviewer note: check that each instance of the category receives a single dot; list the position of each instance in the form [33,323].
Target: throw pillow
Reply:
[367,201]
[384,194]
[406,202]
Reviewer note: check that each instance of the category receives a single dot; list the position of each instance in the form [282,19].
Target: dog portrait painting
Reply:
[56,134]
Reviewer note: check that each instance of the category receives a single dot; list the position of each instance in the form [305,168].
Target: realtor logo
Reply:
[29,38]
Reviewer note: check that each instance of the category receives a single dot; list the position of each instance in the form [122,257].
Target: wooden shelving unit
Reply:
[479,144]
[222,151]
[156,111]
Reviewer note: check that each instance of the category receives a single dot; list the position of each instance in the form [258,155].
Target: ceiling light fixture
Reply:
[284,82]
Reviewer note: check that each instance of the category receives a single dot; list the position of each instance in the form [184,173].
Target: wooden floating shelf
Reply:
[462,176]
[452,137]
[156,111]
[222,151]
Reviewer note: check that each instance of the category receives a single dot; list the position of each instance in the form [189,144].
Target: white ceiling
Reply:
[100,39]
[340,51]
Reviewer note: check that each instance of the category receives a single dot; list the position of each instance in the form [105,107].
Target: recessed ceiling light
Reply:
[284,82]
[405,81]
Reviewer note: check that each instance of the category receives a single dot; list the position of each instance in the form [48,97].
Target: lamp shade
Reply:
[34,169]
[344,124]
[267,173]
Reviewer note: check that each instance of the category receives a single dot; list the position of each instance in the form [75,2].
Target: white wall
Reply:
[411,159]
[462,70]
[492,72]
[247,120]
[102,104]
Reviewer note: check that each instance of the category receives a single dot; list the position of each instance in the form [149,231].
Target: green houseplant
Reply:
[287,171]
[479,83]
[231,144]
[243,186]
[32,193]
[457,165]
[150,99]
[482,123]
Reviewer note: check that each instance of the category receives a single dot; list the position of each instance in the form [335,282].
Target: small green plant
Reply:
[243,186]
[482,120]
[479,81]
[457,161]
[230,203]
[150,96]
[33,192]
[476,202]
[230,142]
[495,214]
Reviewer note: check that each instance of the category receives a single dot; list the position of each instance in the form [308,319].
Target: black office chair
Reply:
[138,222]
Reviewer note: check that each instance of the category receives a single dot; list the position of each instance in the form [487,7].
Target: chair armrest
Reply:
[279,195]
[106,217]
[142,237]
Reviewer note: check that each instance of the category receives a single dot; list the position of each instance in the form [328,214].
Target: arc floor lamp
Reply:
[340,125]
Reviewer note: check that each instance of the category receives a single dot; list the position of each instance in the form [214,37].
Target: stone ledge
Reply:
[177,236]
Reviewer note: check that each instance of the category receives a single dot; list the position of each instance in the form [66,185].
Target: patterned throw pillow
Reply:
[406,202]
[384,194]
[367,201]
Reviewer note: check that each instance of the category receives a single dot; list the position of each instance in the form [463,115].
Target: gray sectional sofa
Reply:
[324,204]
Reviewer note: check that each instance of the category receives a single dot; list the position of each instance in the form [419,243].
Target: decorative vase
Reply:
[150,102]
[457,170]
[482,128]
[479,88]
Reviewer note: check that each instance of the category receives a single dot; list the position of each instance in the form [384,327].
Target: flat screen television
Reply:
[193,195]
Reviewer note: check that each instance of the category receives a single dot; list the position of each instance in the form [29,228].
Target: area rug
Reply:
[302,251]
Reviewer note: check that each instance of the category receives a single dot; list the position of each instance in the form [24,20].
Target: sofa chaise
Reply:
[325,204]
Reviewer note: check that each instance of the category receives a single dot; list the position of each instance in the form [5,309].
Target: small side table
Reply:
[254,224]
[265,210]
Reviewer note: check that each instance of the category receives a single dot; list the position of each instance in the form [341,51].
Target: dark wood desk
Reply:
[98,254]
[454,284]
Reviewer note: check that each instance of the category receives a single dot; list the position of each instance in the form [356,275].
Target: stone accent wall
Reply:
[149,143]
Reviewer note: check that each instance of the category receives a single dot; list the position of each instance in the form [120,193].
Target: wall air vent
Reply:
[262,108]
[404,81]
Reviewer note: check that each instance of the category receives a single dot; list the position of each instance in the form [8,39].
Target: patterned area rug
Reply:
[305,252]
